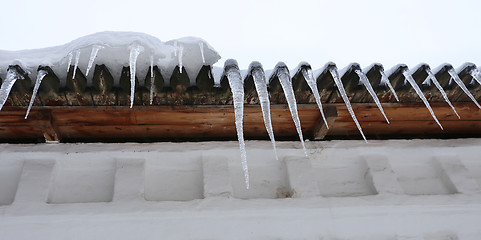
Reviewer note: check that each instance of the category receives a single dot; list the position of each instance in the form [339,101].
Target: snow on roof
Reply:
[113,51]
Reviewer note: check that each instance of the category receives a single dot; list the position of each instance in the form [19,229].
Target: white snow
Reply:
[261,87]
[124,191]
[237,88]
[114,54]
[41,74]
[285,80]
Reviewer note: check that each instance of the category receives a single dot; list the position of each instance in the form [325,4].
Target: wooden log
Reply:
[49,91]
[325,84]
[321,130]
[450,87]
[21,92]
[473,86]
[76,93]
[123,92]
[302,91]
[354,89]
[103,83]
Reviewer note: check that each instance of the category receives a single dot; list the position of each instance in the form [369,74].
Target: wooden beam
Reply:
[321,130]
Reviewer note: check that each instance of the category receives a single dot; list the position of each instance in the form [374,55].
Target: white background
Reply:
[389,32]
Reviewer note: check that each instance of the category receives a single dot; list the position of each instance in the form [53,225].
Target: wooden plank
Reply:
[410,112]
[407,128]
[320,130]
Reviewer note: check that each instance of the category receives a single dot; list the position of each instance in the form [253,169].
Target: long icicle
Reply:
[181,54]
[237,88]
[70,56]
[385,80]
[460,83]
[433,79]
[134,53]
[77,57]
[152,79]
[340,87]
[40,75]
[12,76]
[309,76]
[93,55]
[261,87]
[286,84]
[411,81]
[201,46]
[363,79]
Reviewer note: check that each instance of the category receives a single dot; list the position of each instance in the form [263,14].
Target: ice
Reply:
[411,81]
[363,79]
[340,87]
[70,56]
[261,86]
[433,79]
[181,54]
[93,55]
[285,79]
[7,85]
[309,76]
[40,75]
[135,50]
[152,78]
[201,47]
[460,83]
[77,57]
[237,87]
[476,74]
[385,80]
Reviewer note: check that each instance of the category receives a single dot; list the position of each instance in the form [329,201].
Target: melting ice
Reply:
[152,78]
[285,80]
[261,87]
[340,87]
[411,81]
[7,85]
[135,50]
[40,75]
[237,88]
[433,79]
[309,76]
[363,79]
[93,55]
[385,80]
[460,83]
[77,57]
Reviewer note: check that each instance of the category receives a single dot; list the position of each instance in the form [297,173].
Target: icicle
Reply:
[285,80]
[237,88]
[385,80]
[135,50]
[176,48]
[7,85]
[77,57]
[309,76]
[340,87]
[181,52]
[70,56]
[261,87]
[460,83]
[201,46]
[433,79]
[411,81]
[476,75]
[93,55]
[40,75]
[363,79]
[152,78]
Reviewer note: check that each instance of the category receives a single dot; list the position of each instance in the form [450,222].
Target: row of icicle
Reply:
[236,82]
